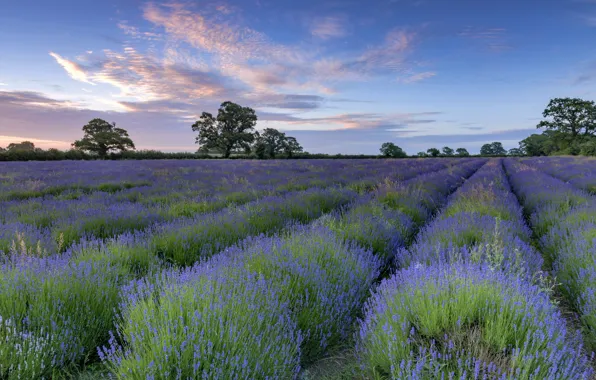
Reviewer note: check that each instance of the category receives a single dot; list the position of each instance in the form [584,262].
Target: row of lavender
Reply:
[56,310]
[578,171]
[470,300]
[564,220]
[269,305]
[52,223]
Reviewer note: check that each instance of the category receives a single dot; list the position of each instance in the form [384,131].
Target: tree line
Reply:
[569,129]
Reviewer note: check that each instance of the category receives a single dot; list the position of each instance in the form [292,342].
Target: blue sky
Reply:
[343,76]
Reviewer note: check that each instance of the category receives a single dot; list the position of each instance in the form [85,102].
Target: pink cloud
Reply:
[328,27]
[74,70]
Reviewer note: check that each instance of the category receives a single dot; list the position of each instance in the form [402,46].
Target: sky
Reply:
[342,76]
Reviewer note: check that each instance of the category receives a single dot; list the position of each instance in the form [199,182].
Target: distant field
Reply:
[468,268]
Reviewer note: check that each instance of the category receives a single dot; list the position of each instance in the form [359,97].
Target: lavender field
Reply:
[445,268]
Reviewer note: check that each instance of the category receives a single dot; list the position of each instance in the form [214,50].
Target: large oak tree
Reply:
[102,137]
[232,129]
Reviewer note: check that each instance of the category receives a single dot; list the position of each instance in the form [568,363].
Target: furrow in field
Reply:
[563,219]
[312,278]
[580,172]
[51,225]
[57,310]
[467,301]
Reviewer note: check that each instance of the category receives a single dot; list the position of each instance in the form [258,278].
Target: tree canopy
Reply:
[462,152]
[447,152]
[389,149]
[232,129]
[272,142]
[24,146]
[493,149]
[433,152]
[572,117]
[102,137]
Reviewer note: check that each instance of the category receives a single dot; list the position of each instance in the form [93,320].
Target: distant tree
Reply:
[448,152]
[573,118]
[272,141]
[535,145]
[516,152]
[102,137]
[291,146]
[493,149]
[486,150]
[422,154]
[389,149]
[463,152]
[433,152]
[24,146]
[232,129]
[2,149]
[498,149]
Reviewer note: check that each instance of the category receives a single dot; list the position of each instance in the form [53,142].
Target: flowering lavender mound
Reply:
[465,321]
[53,313]
[324,279]
[203,324]
[476,238]
[371,224]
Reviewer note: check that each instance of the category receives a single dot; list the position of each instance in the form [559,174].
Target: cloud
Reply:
[207,55]
[35,100]
[74,70]
[360,121]
[510,134]
[252,57]
[474,128]
[39,143]
[21,115]
[414,78]
[493,39]
[587,74]
[328,27]
[136,33]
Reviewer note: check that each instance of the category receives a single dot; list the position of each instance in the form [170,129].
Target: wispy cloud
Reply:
[40,143]
[418,77]
[74,70]
[494,39]
[586,74]
[35,99]
[328,27]
[208,55]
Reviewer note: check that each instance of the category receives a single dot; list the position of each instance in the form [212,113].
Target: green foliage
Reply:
[572,117]
[25,146]
[433,152]
[389,149]
[462,152]
[102,137]
[515,152]
[447,152]
[460,316]
[232,129]
[588,148]
[206,326]
[310,269]
[55,319]
[535,145]
[493,149]
[272,142]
